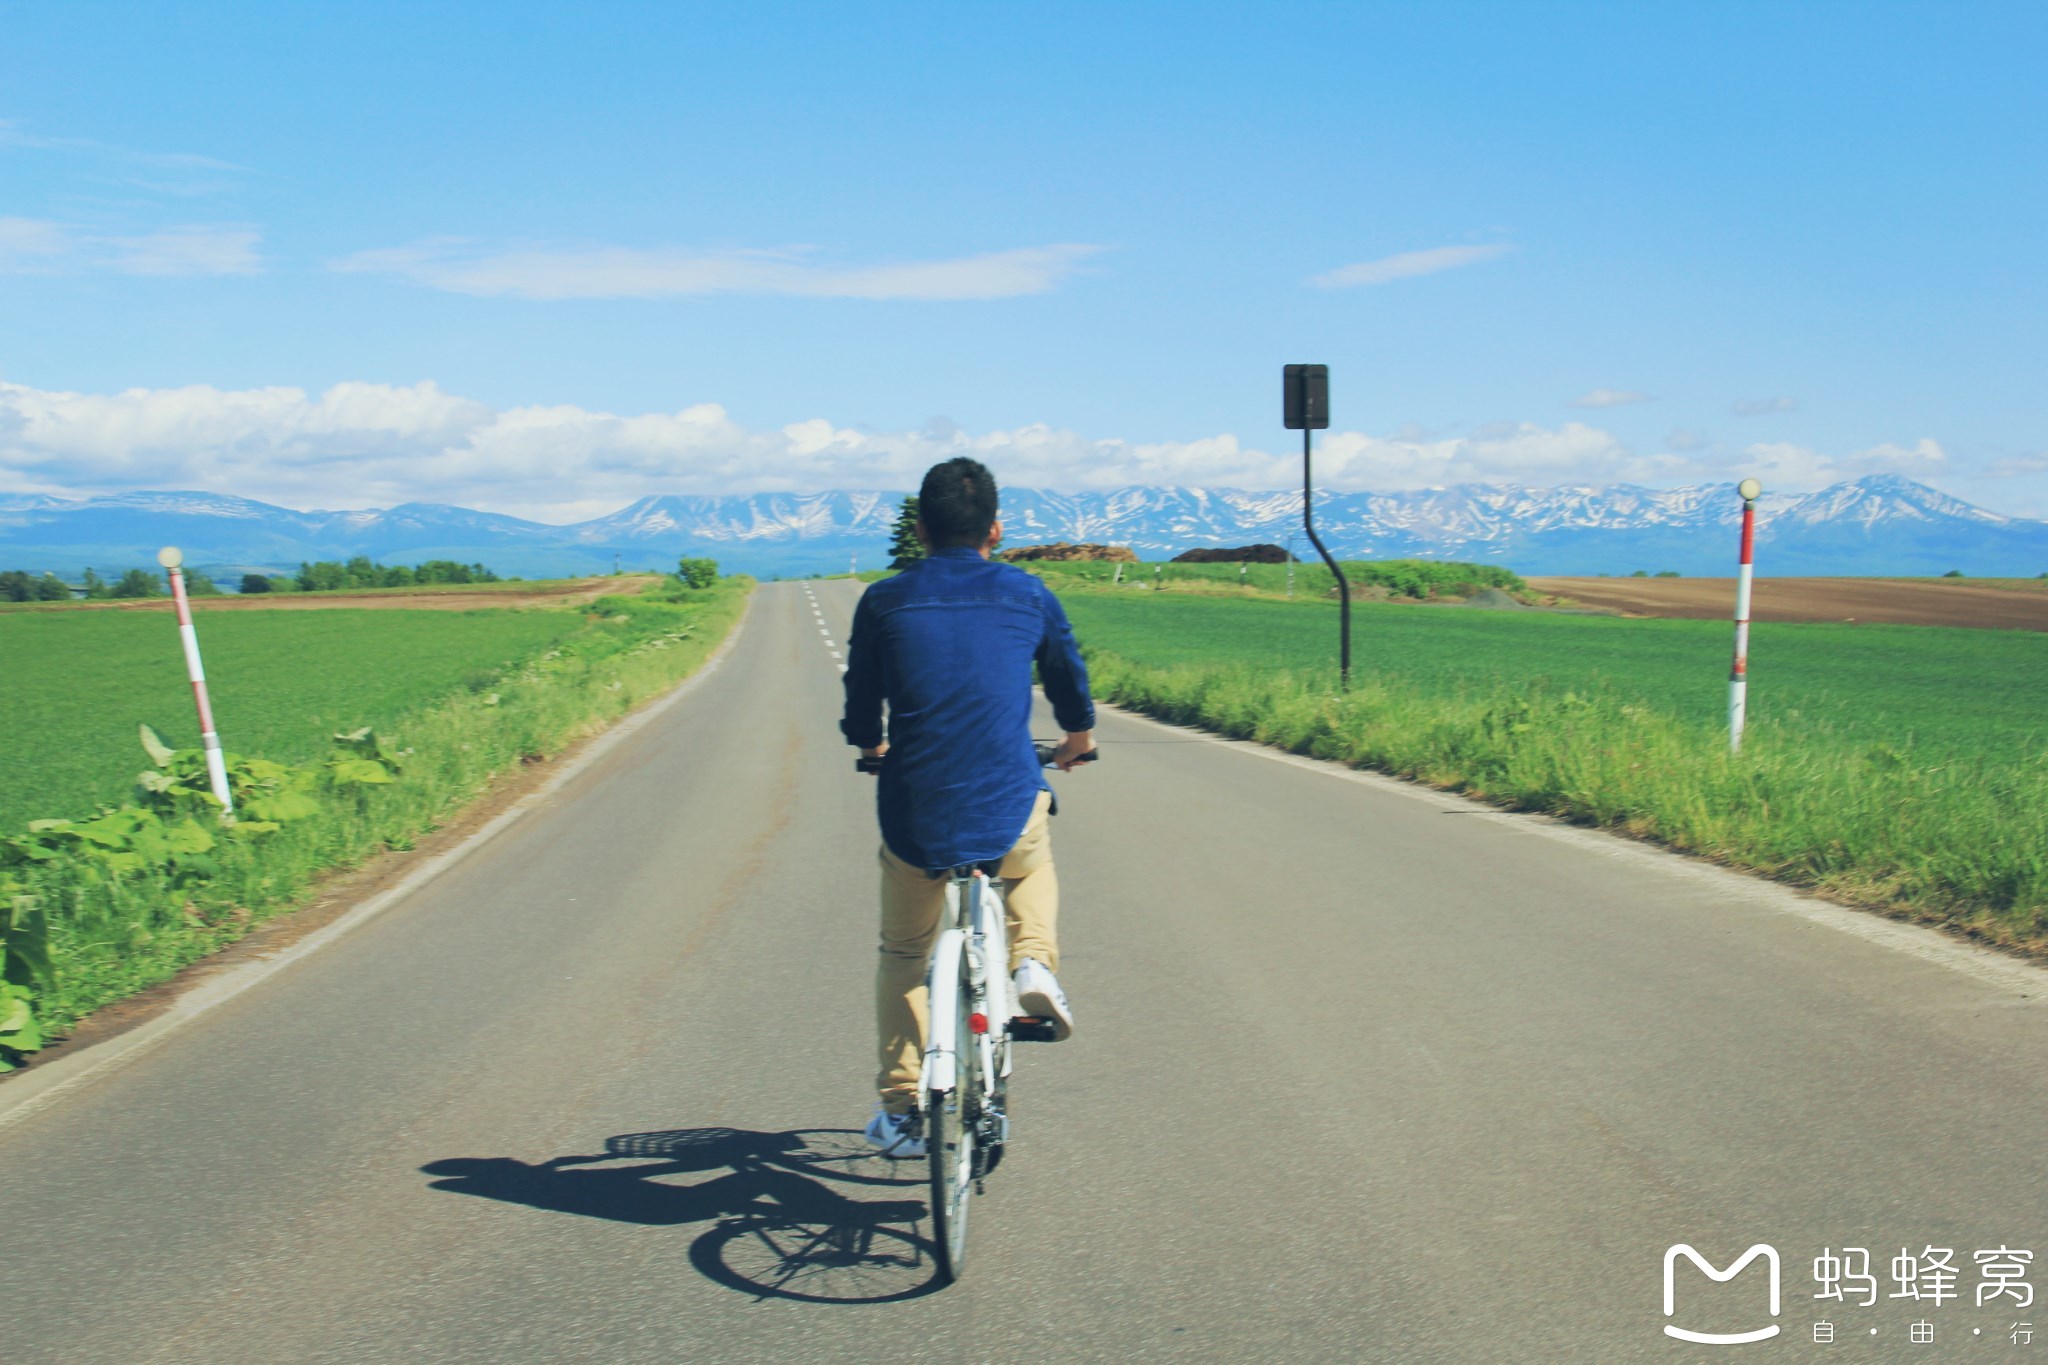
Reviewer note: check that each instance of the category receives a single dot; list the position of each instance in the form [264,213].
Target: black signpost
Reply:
[1305,401]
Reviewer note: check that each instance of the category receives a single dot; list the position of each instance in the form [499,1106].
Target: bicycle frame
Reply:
[972,927]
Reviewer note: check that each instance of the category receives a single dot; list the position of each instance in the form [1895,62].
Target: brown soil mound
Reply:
[1865,601]
[1243,554]
[1119,554]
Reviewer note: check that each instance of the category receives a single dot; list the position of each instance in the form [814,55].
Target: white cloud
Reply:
[187,251]
[359,445]
[1757,407]
[12,134]
[1688,440]
[1611,398]
[613,272]
[30,244]
[1795,468]
[1408,264]
[42,246]
[2014,466]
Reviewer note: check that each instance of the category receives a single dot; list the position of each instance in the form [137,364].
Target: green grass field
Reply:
[459,699]
[79,682]
[1420,579]
[1896,766]
[1939,692]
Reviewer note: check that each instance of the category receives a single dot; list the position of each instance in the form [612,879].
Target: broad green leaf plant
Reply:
[169,832]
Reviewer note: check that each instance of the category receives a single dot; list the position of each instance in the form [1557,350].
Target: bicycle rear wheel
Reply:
[950,1137]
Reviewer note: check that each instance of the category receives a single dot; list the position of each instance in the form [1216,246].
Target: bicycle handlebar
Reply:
[863,764]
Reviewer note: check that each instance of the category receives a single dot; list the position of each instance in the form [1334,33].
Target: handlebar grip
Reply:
[867,765]
[1046,751]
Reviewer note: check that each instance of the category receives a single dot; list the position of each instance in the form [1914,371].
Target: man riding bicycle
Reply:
[948,645]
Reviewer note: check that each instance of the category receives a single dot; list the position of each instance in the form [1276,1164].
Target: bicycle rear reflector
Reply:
[977,1023]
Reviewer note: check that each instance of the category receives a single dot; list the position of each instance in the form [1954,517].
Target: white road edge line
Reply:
[44,1084]
[1914,940]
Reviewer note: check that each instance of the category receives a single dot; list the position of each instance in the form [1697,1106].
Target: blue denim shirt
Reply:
[949,643]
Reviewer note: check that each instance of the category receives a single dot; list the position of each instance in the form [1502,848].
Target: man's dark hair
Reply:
[957,503]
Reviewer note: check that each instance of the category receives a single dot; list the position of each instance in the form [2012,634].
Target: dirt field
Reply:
[2010,605]
[566,593]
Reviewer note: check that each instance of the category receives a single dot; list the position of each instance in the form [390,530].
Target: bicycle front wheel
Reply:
[949,1138]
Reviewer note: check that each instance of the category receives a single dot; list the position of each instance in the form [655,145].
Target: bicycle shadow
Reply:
[778,1228]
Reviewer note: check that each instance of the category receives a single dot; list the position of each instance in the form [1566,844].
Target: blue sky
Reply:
[544,257]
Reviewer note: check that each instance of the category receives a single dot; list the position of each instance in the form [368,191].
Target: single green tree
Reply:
[283,582]
[139,583]
[96,587]
[255,582]
[697,573]
[1640,573]
[903,546]
[17,586]
[1953,573]
[199,583]
[50,588]
[1668,573]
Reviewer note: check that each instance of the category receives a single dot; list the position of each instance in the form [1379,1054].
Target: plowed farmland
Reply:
[2005,604]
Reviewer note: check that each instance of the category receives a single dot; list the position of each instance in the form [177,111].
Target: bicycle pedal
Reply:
[1029,1028]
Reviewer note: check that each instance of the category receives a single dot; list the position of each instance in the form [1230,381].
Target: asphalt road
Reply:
[1361,1073]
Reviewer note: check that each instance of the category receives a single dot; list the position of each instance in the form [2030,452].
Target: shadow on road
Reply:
[778,1228]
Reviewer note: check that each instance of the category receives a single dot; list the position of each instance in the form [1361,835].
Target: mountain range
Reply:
[1881,524]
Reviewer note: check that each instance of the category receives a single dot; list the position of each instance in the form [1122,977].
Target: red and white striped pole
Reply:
[1738,678]
[171,557]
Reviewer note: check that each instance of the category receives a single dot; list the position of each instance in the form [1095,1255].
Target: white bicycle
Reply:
[963,1082]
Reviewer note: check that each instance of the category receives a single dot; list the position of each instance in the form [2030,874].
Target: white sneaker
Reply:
[893,1133]
[1039,995]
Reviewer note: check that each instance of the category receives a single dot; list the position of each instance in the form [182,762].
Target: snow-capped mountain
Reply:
[1877,525]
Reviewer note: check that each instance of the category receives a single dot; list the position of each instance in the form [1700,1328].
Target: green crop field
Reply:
[95,906]
[1896,766]
[79,682]
[1934,690]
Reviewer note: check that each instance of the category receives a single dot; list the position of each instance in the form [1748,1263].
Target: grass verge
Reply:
[1953,832]
[111,934]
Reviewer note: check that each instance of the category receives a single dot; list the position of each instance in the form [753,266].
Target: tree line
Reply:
[361,572]
[18,585]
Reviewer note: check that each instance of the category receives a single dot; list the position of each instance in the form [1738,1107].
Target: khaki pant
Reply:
[911,906]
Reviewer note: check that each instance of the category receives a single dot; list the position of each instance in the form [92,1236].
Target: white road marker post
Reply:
[1738,676]
[171,557]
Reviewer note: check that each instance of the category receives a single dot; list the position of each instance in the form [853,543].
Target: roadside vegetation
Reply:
[348,733]
[1904,768]
[1418,580]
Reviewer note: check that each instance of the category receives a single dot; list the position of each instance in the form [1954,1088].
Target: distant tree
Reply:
[903,547]
[697,573]
[448,571]
[1669,573]
[96,587]
[397,576]
[199,583]
[1640,573]
[1953,573]
[283,582]
[138,583]
[50,588]
[324,576]
[17,586]
[255,582]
